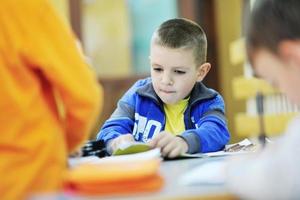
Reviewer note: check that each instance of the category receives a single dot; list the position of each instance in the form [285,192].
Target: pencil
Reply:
[260,112]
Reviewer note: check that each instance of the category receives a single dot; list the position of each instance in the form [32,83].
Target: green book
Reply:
[131,148]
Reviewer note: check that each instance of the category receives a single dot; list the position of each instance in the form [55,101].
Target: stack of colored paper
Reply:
[114,178]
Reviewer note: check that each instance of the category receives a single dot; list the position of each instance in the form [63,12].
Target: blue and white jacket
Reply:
[140,112]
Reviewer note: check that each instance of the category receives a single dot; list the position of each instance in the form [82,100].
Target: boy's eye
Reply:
[179,72]
[158,69]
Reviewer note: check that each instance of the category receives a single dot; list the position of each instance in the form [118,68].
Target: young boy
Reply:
[171,110]
[273,46]
[39,64]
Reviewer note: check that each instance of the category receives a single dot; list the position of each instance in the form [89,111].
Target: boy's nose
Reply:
[167,80]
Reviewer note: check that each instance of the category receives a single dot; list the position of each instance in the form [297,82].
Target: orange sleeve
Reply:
[54,52]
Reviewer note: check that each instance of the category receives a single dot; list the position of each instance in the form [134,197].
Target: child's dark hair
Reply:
[182,33]
[271,22]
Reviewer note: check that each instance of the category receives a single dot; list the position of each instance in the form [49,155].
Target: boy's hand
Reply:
[170,145]
[116,143]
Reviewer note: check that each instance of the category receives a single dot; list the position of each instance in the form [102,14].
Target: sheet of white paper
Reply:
[151,154]
[244,142]
[207,173]
[82,160]
[224,153]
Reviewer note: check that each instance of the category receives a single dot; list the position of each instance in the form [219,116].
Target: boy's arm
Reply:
[52,52]
[211,133]
[121,121]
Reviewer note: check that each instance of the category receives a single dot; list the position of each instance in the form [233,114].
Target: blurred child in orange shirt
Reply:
[40,66]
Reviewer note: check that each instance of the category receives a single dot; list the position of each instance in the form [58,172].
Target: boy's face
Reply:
[174,72]
[280,71]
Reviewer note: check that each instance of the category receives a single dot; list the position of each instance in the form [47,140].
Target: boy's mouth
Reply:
[167,91]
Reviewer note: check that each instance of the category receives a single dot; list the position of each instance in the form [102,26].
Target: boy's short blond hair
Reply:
[182,33]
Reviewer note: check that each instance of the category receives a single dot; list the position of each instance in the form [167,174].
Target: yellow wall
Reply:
[228,17]
[106,36]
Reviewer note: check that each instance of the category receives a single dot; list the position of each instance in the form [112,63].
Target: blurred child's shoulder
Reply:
[142,82]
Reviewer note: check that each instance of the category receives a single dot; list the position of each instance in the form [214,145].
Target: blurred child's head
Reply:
[273,44]
[178,59]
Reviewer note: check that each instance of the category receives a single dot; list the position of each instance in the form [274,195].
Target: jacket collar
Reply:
[199,92]
[148,91]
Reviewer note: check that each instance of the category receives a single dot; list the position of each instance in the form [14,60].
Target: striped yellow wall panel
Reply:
[237,51]
[245,88]
[248,125]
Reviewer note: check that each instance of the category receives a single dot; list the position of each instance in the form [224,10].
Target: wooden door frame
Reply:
[203,12]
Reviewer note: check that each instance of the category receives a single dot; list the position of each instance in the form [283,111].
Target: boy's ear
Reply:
[203,70]
[289,51]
